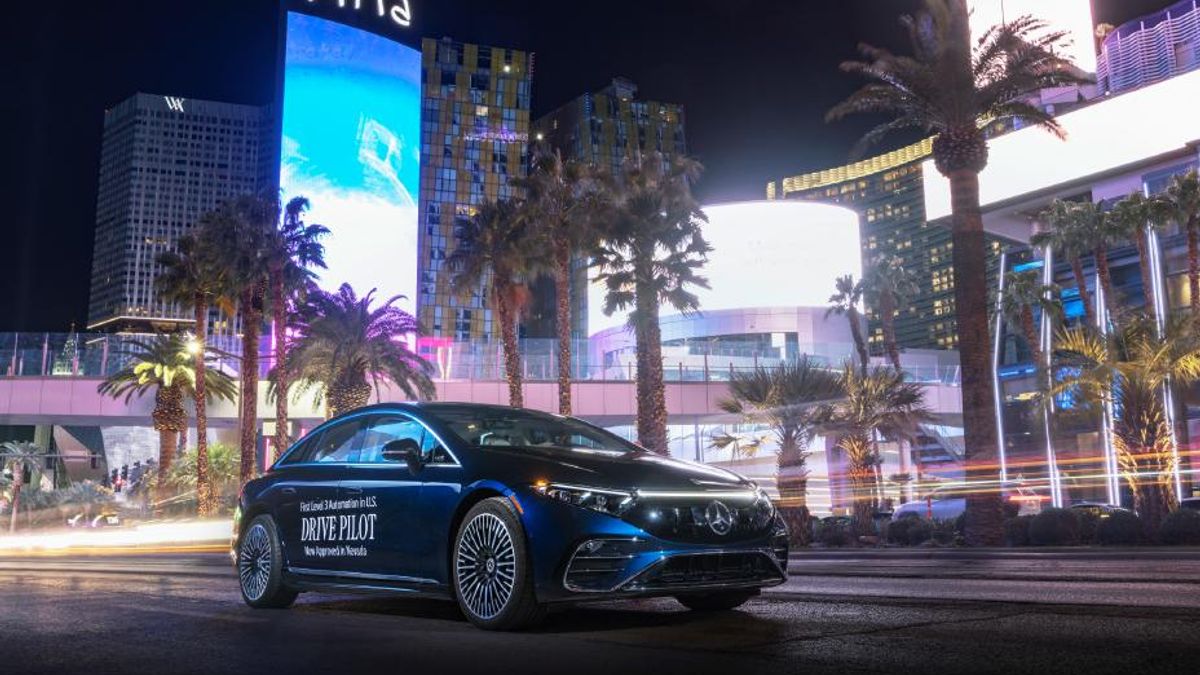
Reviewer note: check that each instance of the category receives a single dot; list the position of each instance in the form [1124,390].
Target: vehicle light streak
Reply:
[194,536]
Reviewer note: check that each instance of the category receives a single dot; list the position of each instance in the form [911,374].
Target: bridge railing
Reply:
[100,355]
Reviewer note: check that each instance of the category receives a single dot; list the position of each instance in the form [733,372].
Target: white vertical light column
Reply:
[1160,310]
[999,394]
[1047,345]
[1112,478]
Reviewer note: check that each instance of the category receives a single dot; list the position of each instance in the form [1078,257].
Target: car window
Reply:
[493,428]
[384,430]
[337,444]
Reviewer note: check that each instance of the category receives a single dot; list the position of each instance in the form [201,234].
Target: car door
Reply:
[310,509]
[441,492]
[384,493]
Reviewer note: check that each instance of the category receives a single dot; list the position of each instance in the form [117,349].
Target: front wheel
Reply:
[716,602]
[260,566]
[493,577]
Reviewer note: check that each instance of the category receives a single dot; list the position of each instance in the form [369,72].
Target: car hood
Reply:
[630,471]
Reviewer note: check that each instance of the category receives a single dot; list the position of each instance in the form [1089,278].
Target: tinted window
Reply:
[336,444]
[384,430]
[520,429]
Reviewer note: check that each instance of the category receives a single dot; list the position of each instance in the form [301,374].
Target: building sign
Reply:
[399,11]
[175,103]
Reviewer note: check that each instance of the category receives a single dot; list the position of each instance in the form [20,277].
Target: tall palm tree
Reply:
[20,459]
[845,303]
[879,403]
[292,251]
[499,249]
[561,202]
[164,365]
[1099,231]
[886,286]
[1061,220]
[1134,217]
[791,399]
[650,257]
[194,275]
[951,91]
[1129,370]
[346,346]
[1181,204]
[1025,295]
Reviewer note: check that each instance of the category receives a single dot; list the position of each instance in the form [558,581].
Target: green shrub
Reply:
[835,532]
[1181,528]
[920,532]
[1016,530]
[946,532]
[1121,528]
[1054,527]
[897,530]
[1089,525]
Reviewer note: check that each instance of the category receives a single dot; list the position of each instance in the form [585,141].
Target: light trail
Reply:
[207,536]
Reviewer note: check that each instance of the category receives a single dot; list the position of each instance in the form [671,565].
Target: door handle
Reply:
[353,491]
[288,491]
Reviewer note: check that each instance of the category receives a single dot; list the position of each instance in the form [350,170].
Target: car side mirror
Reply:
[404,450]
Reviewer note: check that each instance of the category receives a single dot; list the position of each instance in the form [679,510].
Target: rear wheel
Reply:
[260,566]
[491,571]
[716,602]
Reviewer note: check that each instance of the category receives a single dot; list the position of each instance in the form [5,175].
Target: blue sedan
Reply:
[504,511]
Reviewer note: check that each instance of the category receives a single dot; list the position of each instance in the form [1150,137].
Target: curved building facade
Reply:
[1150,49]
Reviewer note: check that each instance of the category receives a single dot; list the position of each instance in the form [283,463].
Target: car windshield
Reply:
[491,428]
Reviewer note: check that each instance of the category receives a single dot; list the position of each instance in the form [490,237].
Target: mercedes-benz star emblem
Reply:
[719,518]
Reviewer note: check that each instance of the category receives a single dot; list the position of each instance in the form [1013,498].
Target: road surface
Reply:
[838,614]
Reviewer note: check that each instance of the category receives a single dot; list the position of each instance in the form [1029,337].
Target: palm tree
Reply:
[1024,293]
[20,459]
[497,247]
[292,251]
[650,257]
[878,403]
[845,303]
[885,287]
[561,203]
[164,365]
[346,346]
[194,275]
[1098,230]
[1134,217]
[1062,234]
[1181,204]
[1129,370]
[952,92]
[792,399]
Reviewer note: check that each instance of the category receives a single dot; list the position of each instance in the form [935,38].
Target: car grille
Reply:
[686,522]
[708,569]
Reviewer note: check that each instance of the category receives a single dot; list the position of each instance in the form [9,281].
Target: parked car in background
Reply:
[1097,509]
[950,502]
[1191,503]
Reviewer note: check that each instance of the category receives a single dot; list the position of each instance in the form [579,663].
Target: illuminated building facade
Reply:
[475,130]
[1151,48]
[887,192]
[165,161]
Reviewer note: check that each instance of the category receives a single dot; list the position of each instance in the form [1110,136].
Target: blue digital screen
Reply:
[351,145]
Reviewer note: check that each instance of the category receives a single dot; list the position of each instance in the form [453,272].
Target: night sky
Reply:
[756,76]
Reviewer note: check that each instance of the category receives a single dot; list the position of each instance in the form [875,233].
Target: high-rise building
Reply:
[1151,48]
[887,191]
[165,161]
[603,129]
[475,130]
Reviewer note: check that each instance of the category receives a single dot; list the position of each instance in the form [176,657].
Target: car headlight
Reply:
[603,500]
[763,511]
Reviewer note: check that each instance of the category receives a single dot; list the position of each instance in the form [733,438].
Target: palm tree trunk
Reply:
[1084,295]
[860,343]
[279,323]
[1102,269]
[887,312]
[1193,237]
[511,346]
[252,316]
[793,490]
[1031,336]
[16,497]
[859,472]
[1143,249]
[985,515]
[562,291]
[653,399]
[204,491]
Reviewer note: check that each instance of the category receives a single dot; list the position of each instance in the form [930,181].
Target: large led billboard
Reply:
[351,145]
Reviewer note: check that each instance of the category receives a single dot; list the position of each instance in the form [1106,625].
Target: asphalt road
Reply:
[184,615]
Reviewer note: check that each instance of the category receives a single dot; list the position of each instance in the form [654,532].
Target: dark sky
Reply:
[756,76]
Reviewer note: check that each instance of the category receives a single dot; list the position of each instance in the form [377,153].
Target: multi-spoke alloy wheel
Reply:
[254,562]
[486,566]
[260,566]
[492,576]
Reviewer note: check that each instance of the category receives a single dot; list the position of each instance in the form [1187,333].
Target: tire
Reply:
[491,570]
[716,602]
[260,566]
